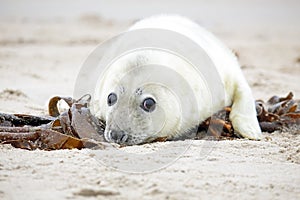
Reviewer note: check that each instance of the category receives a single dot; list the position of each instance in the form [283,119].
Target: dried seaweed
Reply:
[277,114]
[75,128]
[78,128]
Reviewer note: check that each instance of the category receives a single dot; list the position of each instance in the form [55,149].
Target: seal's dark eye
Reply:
[148,104]
[111,99]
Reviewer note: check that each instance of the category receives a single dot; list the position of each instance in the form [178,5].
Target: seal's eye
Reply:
[148,104]
[111,99]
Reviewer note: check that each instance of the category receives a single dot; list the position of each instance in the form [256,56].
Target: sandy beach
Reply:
[41,54]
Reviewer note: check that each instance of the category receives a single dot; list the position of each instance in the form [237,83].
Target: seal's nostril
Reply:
[114,135]
[124,138]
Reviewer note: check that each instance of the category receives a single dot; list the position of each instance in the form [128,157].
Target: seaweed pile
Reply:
[78,128]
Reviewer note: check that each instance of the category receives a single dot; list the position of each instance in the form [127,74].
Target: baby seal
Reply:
[137,109]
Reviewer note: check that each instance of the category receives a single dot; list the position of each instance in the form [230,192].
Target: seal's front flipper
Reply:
[243,114]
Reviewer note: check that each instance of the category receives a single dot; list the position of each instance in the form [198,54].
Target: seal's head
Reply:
[146,95]
[141,115]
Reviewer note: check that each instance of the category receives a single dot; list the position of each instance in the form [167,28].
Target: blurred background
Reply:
[225,13]
[43,43]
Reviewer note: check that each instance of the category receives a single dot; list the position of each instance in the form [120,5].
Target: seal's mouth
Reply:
[123,138]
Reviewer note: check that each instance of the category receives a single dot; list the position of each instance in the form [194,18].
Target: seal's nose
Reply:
[119,136]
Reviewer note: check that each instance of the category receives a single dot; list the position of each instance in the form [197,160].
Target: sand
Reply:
[40,58]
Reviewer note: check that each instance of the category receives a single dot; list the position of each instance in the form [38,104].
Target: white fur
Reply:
[237,91]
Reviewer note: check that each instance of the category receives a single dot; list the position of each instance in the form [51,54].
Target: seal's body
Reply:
[137,111]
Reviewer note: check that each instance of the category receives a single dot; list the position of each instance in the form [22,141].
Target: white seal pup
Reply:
[136,112]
